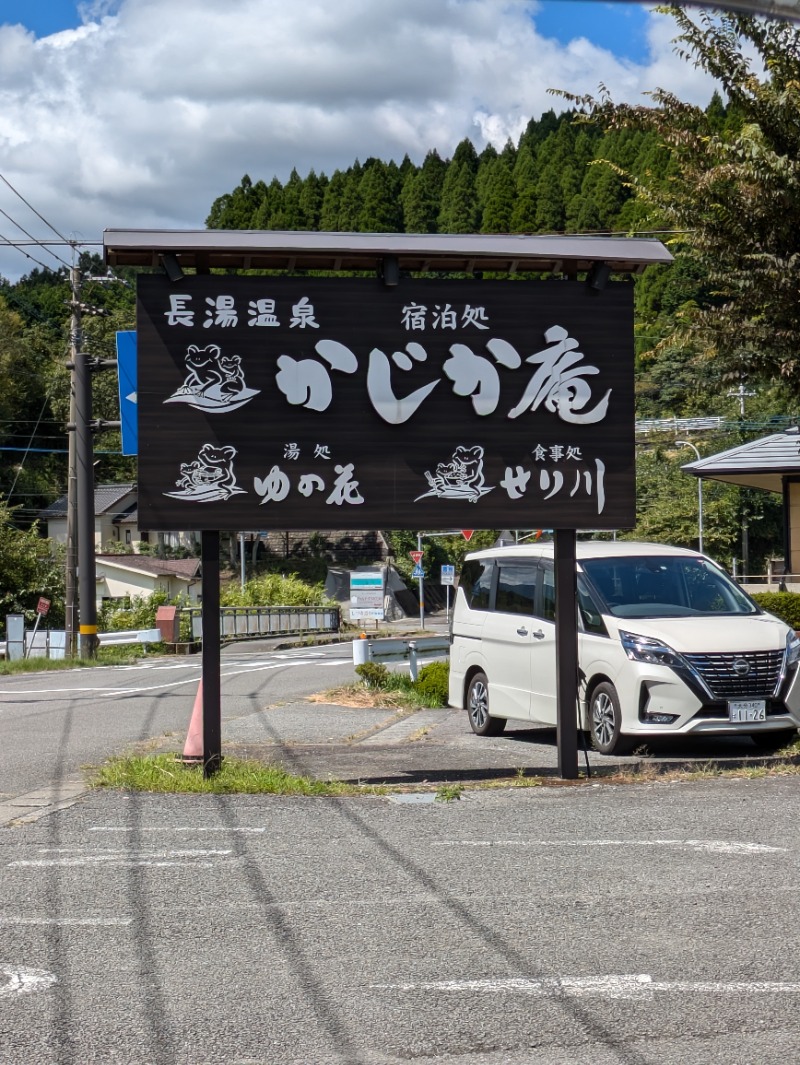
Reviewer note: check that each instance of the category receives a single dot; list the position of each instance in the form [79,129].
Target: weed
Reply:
[449,792]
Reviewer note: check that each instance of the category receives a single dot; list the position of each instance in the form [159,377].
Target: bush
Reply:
[274,590]
[784,605]
[374,674]
[433,682]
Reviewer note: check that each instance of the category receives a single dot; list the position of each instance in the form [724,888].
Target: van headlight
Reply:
[646,649]
[792,649]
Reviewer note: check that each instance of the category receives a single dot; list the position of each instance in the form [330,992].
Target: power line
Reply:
[22,229]
[49,225]
[11,244]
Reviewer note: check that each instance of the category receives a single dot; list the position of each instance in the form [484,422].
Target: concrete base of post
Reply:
[361,651]
[413,666]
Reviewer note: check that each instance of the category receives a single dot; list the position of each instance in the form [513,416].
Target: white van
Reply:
[668,645]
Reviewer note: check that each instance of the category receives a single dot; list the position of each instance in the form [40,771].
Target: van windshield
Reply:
[665,586]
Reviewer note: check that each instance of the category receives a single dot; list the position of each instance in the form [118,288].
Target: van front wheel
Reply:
[480,720]
[606,721]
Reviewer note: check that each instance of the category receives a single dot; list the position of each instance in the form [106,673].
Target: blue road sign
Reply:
[128,407]
[418,572]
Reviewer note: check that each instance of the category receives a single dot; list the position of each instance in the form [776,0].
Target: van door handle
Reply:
[522,631]
[538,635]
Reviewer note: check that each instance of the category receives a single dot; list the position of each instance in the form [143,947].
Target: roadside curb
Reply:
[25,809]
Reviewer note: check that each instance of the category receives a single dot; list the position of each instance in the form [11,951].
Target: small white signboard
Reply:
[366,595]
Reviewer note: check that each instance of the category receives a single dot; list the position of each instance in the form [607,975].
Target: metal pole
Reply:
[241,556]
[566,653]
[212,702]
[688,443]
[84,454]
[421,586]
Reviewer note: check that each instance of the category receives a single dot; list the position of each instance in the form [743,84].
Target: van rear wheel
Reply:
[605,721]
[481,721]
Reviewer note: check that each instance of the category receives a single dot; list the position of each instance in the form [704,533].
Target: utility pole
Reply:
[81,616]
[71,577]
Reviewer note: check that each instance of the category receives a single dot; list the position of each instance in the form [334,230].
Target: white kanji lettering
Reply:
[307,383]
[544,482]
[444,317]
[322,451]
[539,453]
[262,313]
[291,451]
[414,315]
[379,384]
[179,313]
[345,489]
[309,483]
[574,453]
[556,452]
[274,487]
[559,384]
[515,481]
[474,316]
[473,375]
[221,311]
[303,315]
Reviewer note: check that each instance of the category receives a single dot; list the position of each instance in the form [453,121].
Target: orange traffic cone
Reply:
[193,748]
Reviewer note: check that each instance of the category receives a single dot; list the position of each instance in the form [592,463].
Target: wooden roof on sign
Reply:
[206,249]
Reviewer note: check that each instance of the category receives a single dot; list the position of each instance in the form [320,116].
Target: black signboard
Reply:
[342,403]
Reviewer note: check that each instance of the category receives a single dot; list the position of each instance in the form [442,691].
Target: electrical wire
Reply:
[10,244]
[22,229]
[21,466]
[38,215]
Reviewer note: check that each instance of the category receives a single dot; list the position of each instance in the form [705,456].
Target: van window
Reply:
[548,610]
[516,584]
[665,586]
[589,611]
[476,582]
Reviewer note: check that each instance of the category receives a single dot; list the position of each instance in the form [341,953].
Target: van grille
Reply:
[726,682]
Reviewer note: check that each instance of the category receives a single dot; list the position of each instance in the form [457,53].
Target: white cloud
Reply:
[150,110]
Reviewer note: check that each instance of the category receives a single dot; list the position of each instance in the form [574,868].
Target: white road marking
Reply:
[68,922]
[174,828]
[22,981]
[142,688]
[633,987]
[127,858]
[716,846]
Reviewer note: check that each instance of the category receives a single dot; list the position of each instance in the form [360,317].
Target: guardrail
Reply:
[115,639]
[240,622]
[366,650]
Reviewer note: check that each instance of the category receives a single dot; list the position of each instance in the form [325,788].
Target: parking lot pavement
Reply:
[324,741]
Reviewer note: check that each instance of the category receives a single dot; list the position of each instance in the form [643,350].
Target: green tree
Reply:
[30,567]
[422,195]
[732,189]
[459,212]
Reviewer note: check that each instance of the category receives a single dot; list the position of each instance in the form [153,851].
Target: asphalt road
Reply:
[53,723]
[612,925]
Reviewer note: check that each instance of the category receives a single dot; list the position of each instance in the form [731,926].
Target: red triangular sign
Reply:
[467,533]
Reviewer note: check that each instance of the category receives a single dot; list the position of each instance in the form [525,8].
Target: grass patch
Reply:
[400,697]
[106,656]
[163,773]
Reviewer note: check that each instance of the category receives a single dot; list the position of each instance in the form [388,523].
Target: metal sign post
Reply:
[566,652]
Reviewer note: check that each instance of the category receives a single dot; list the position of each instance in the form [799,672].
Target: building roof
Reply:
[758,464]
[106,497]
[205,249]
[187,569]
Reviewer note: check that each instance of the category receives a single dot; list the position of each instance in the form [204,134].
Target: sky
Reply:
[140,113]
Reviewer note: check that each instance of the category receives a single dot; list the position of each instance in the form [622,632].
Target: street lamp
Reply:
[687,443]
